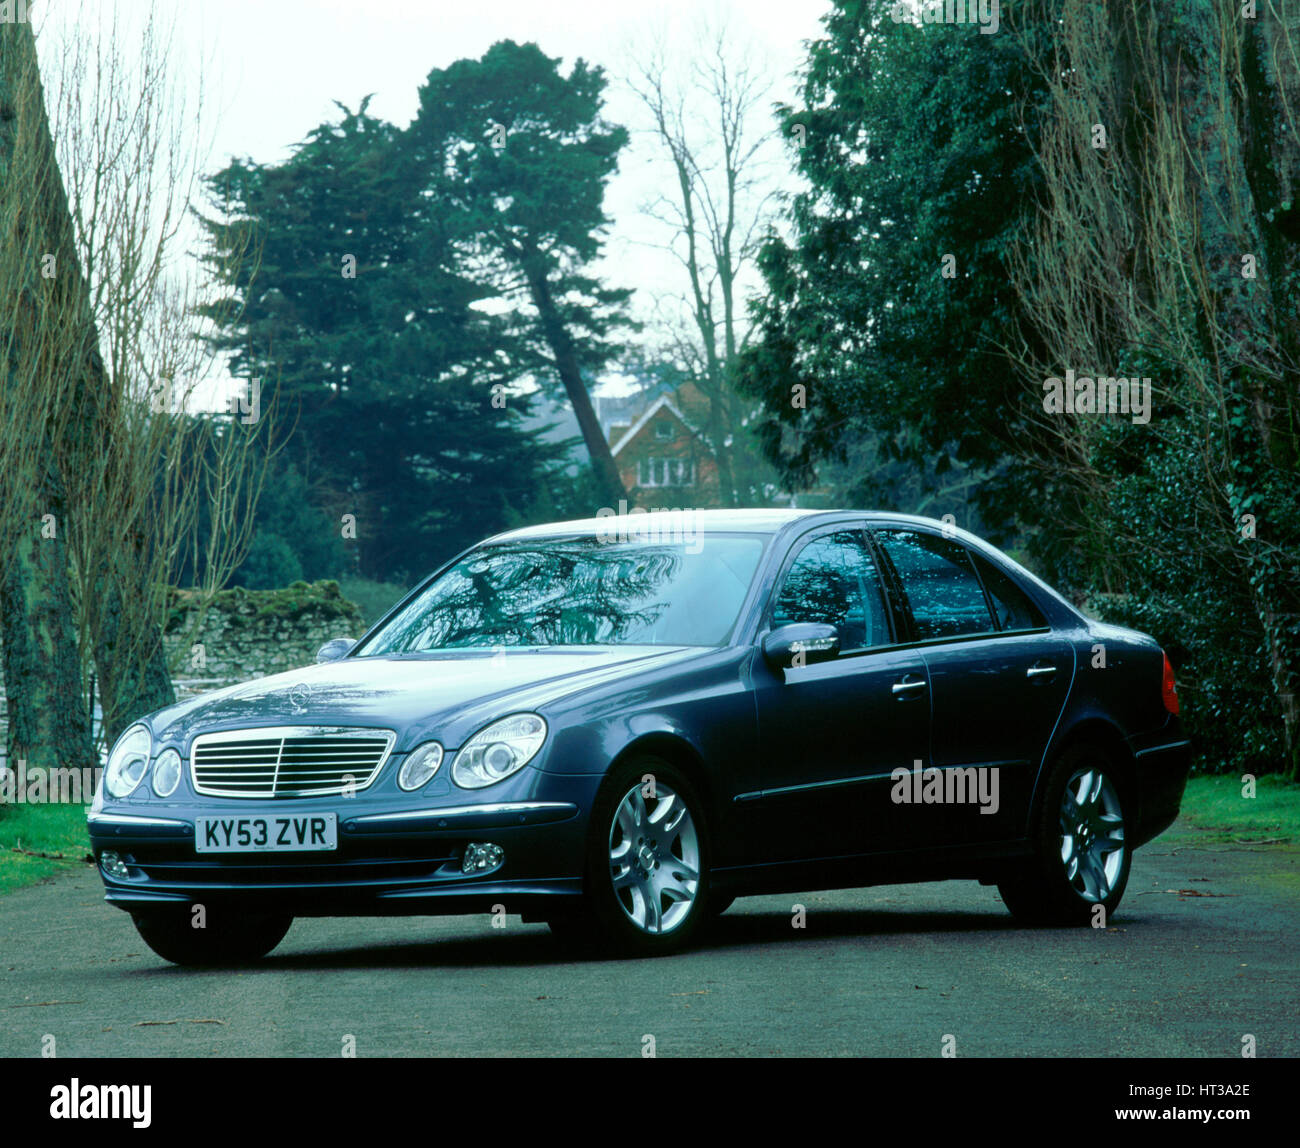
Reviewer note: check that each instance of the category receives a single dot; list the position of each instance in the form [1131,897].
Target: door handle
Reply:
[1040,672]
[905,689]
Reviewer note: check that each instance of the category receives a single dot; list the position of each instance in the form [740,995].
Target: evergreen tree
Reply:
[522,154]
[360,319]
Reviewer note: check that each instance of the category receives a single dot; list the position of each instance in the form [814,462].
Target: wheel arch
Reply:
[1090,730]
[679,752]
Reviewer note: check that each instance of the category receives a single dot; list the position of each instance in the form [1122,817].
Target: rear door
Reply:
[998,682]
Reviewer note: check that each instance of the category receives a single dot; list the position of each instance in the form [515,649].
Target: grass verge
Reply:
[40,841]
[1216,812]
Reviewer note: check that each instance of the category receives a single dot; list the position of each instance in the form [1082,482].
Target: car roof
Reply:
[739,521]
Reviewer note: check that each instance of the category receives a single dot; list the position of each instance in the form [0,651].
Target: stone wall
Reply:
[249,634]
[244,634]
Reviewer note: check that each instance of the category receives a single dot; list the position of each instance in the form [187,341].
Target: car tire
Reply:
[646,875]
[225,940]
[1081,853]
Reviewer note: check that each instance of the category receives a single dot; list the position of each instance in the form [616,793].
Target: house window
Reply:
[665,472]
[664,431]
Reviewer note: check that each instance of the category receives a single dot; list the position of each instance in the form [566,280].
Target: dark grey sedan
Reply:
[620,725]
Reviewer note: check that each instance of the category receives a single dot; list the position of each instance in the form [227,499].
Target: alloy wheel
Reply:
[1092,834]
[654,858]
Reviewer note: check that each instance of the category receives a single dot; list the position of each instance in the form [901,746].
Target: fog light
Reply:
[480,857]
[113,865]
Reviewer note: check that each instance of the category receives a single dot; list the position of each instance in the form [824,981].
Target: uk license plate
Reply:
[270,833]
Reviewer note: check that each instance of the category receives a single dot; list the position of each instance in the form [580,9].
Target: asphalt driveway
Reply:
[1202,953]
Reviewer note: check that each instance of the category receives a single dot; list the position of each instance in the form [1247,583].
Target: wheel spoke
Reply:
[1069,847]
[675,884]
[1069,809]
[1072,865]
[638,912]
[654,915]
[626,821]
[667,812]
[1079,790]
[1101,883]
[1088,876]
[680,869]
[1097,780]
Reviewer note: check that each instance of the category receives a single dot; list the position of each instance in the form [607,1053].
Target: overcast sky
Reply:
[273,69]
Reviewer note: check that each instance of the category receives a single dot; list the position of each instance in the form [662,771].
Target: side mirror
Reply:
[334,649]
[811,641]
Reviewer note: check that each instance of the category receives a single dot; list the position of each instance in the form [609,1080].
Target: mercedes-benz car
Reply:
[619,725]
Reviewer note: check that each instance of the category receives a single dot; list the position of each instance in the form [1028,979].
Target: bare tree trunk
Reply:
[48,722]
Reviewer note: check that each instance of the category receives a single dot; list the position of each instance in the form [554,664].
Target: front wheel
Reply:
[224,938]
[647,862]
[1082,855]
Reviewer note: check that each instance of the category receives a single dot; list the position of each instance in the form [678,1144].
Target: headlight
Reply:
[498,751]
[127,762]
[420,765]
[166,773]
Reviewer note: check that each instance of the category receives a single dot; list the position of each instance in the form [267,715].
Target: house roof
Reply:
[659,404]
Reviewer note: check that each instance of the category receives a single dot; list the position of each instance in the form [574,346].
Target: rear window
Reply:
[939,582]
[1012,607]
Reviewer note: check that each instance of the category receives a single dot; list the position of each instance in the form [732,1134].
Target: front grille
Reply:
[288,761]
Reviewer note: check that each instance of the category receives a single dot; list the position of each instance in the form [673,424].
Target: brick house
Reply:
[663,457]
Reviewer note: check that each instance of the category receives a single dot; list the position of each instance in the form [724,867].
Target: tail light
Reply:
[1168,687]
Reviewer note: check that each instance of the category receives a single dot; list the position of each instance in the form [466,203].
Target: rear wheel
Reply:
[647,862]
[226,938]
[1082,856]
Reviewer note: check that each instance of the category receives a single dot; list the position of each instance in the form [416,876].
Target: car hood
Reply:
[447,695]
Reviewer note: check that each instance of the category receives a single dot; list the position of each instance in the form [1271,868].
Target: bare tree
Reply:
[1153,245]
[48,352]
[108,334]
[130,147]
[706,117]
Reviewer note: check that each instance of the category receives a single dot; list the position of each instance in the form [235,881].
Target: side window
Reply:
[1012,607]
[940,583]
[834,579]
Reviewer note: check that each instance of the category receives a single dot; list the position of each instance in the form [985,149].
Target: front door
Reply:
[831,733]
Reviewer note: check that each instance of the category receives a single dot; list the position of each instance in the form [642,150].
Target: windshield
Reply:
[580,592]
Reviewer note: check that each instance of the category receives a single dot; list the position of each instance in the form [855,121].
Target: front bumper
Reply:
[388,861]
